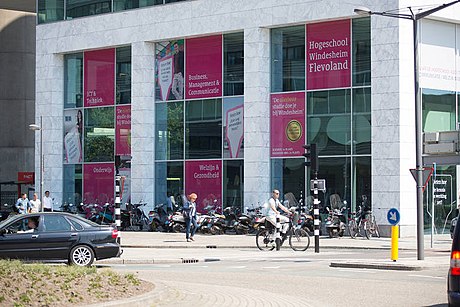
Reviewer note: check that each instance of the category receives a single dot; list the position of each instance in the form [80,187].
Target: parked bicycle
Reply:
[269,237]
[363,223]
[134,216]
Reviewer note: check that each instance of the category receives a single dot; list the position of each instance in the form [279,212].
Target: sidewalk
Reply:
[163,248]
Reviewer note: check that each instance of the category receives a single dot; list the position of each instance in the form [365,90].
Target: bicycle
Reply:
[371,228]
[266,237]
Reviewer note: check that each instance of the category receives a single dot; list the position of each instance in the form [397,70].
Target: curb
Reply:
[154,261]
[377,266]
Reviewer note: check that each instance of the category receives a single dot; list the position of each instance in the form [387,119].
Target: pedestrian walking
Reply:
[22,204]
[189,212]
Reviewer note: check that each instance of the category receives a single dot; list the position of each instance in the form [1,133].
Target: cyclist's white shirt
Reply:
[272,203]
[271,215]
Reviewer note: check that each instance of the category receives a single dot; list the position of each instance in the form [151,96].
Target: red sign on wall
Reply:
[287,122]
[99,84]
[328,55]
[123,131]
[203,67]
[26,177]
[205,179]
[98,183]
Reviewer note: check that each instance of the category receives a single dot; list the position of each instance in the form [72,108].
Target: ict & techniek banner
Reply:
[99,84]
[205,179]
[287,124]
[328,55]
[203,67]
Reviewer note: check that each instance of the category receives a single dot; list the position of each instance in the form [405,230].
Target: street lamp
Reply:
[36,127]
[418,110]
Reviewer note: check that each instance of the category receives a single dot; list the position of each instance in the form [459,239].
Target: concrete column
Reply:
[50,106]
[256,115]
[143,123]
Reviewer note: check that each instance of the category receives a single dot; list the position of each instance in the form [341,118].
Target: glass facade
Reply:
[56,10]
[199,120]
[97,124]
[331,61]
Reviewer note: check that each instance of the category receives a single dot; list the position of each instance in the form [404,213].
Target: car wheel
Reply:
[81,255]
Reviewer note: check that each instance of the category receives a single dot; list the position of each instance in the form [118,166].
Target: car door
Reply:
[18,241]
[57,237]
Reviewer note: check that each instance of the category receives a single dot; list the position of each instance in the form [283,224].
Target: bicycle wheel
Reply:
[264,240]
[299,240]
[367,229]
[353,229]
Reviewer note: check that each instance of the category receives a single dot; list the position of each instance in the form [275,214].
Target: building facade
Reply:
[217,97]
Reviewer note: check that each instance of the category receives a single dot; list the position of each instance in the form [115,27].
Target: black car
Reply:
[57,236]
[453,278]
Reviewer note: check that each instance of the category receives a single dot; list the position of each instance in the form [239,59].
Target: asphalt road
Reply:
[248,278]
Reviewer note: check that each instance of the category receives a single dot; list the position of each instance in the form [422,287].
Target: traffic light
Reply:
[311,156]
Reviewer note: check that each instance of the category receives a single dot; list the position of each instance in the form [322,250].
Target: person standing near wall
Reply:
[36,204]
[47,202]
[23,205]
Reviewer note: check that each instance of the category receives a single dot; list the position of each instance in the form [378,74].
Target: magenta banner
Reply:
[98,183]
[203,67]
[205,179]
[123,131]
[99,85]
[328,55]
[287,122]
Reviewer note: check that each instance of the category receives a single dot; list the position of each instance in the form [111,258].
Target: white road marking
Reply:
[358,271]
[427,276]
[271,267]
[238,267]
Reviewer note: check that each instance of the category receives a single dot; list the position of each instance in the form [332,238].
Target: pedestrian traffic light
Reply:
[311,156]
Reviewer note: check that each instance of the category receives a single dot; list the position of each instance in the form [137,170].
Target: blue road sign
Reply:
[393,216]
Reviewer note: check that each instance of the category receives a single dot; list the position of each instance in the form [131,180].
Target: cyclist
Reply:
[273,212]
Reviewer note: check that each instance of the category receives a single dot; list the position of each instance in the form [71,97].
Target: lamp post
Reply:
[418,110]
[36,127]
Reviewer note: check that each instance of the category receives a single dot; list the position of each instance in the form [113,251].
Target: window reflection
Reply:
[288,59]
[361,51]
[233,64]
[73,80]
[99,134]
[80,8]
[203,129]
[438,110]
[169,141]
[123,82]
[73,184]
[169,181]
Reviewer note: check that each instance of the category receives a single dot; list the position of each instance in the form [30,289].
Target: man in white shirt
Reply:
[36,204]
[47,202]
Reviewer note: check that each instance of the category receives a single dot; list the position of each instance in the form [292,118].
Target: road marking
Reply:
[238,267]
[427,276]
[358,271]
[270,267]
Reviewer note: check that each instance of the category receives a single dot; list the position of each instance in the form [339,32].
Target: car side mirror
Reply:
[3,231]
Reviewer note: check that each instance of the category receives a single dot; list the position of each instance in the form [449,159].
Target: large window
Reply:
[329,121]
[97,124]
[439,113]
[288,176]
[361,120]
[233,64]
[288,59]
[361,51]
[199,115]
[50,10]
[73,80]
[203,129]
[169,141]
[80,8]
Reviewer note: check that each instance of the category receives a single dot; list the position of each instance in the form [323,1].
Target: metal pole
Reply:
[418,148]
[42,158]
[316,211]
[117,201]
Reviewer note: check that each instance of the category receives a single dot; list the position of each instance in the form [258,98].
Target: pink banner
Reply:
[99,86]
[287,122]
[123,131]
[328,55]
[203,67]
[98,183]
[205,179]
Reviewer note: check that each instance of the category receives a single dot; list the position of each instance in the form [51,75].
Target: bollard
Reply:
[394,242]
[117,202]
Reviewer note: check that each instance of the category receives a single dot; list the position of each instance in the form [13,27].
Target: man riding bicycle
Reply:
[273,205]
